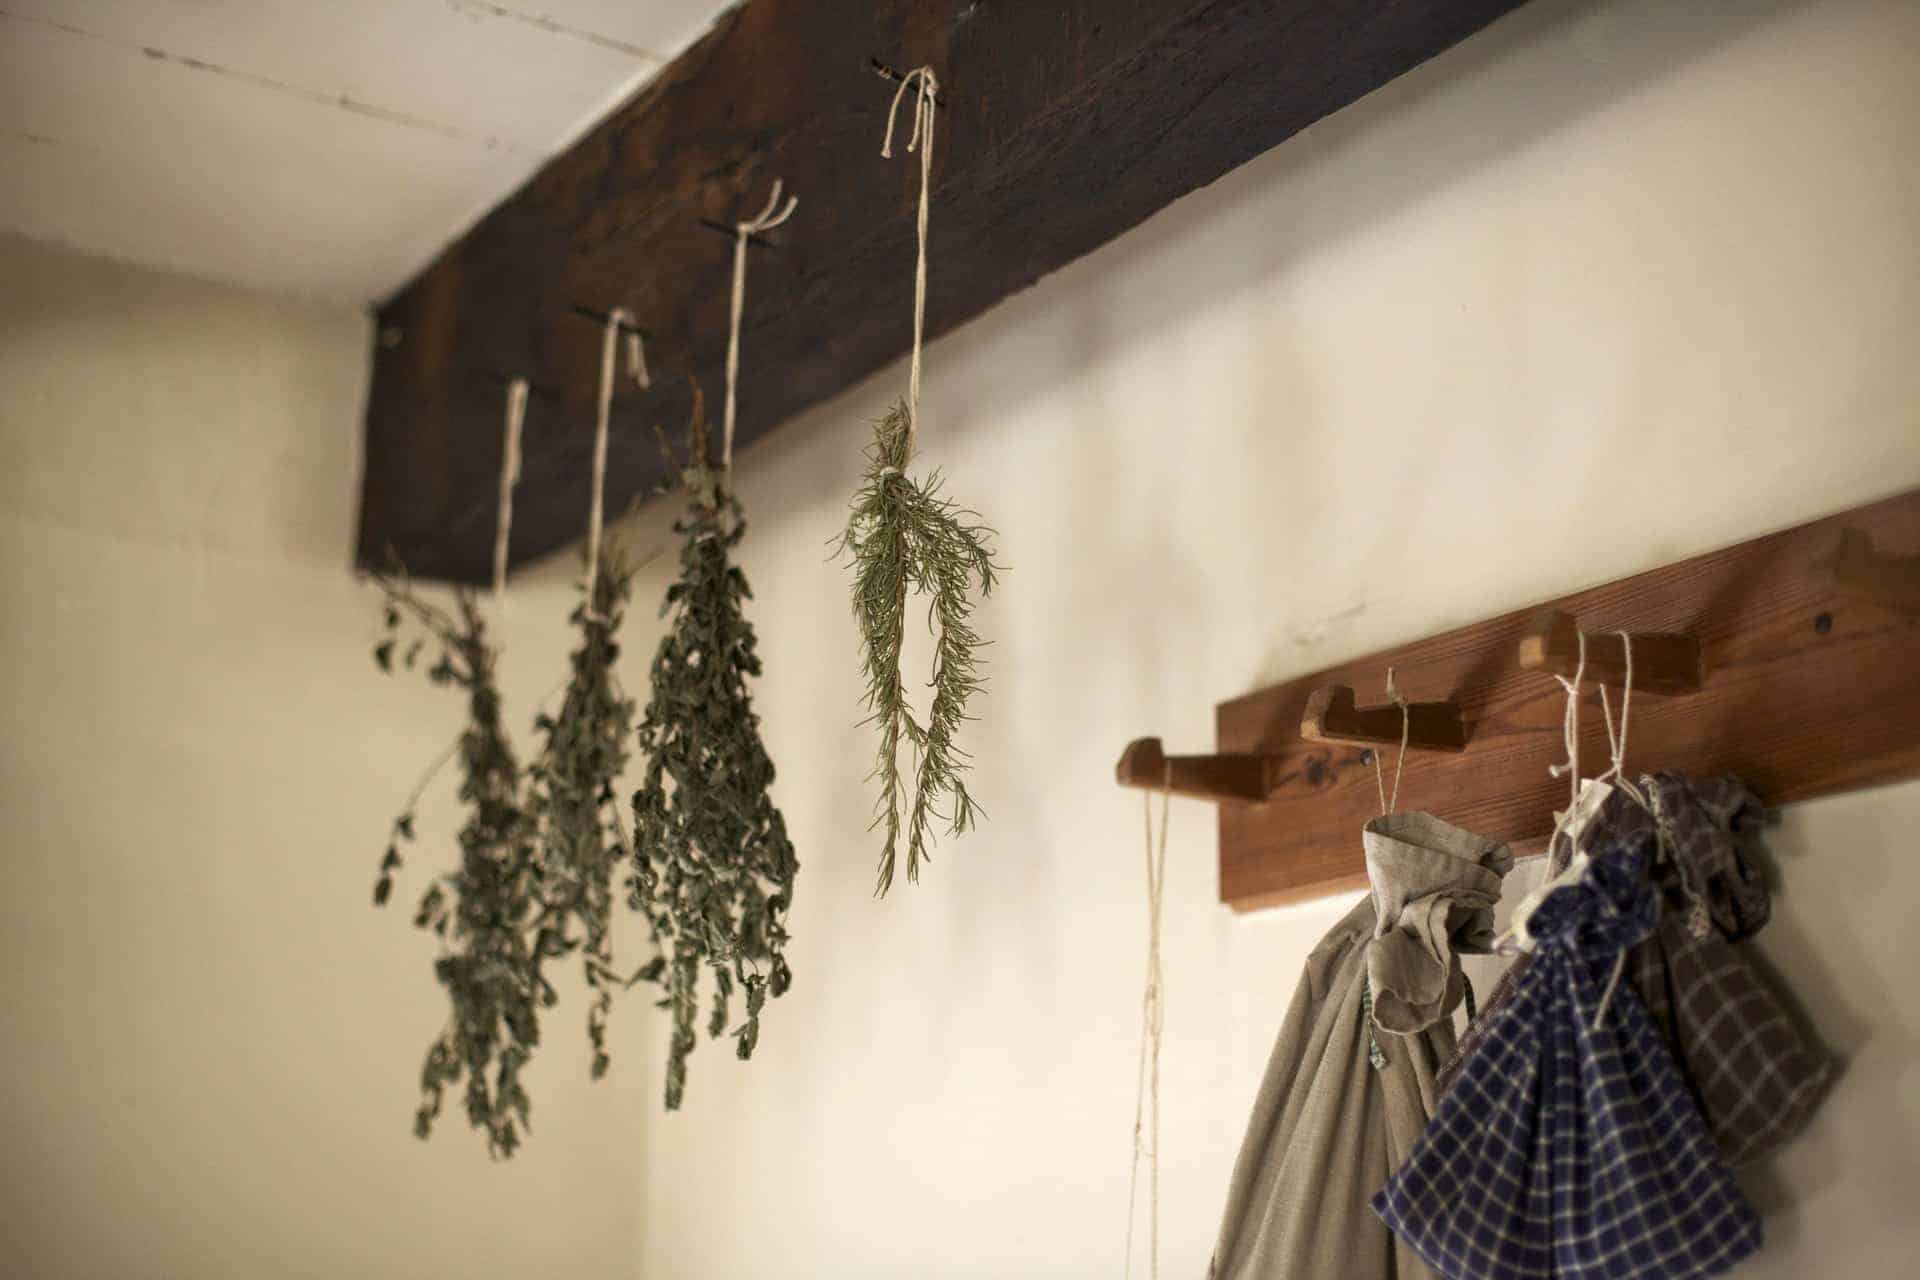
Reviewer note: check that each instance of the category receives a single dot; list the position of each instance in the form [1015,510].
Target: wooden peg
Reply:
[1332,716]
[1844,558]
[1662,663]
[1240,778]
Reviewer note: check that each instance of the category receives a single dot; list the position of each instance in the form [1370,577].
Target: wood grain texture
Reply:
[1065,124]
[1847,559]
[1808,691]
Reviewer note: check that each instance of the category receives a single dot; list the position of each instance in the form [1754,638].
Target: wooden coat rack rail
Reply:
[1791,661]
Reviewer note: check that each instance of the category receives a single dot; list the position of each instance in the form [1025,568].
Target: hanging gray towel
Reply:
[1350,1085]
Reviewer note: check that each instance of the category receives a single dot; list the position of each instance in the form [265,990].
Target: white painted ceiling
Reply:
[325,148]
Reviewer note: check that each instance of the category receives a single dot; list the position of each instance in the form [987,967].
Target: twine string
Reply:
[928,87]
[1388,806]
[1518,937]
[1617,746]
[509,477]
[1146,1099]
[767,219]
[619,320]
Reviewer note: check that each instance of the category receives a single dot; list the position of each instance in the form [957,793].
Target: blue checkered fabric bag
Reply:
[1566,1149]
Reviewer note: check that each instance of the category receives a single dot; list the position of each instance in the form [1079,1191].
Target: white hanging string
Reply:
[922,137]
[1387,806]
[1146,1097]
[1614,776]
[509,477]
[1376,1057]
[1617,743]
[618,320]
[1518,937]
[769,218]
[1570,734]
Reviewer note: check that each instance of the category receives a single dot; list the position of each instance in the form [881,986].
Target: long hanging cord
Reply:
[1517,937]
[1388,806]
[1615,774]
[509,477]
[769,218]
[922,137]
[1376,1057]
[617,320]
[1570,733]
[1617,744]
[1146,1120]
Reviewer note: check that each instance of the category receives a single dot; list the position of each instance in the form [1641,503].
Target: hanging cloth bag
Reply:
[1570,1146]
[1755,1076]
[1350,1084]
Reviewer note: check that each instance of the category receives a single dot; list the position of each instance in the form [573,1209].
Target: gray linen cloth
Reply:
[1328,1126]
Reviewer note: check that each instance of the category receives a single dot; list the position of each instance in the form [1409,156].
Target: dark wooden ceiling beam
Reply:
[1066,123]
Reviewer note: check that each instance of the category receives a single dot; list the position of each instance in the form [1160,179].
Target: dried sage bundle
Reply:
[904,536]
[484,912]
[713,868]
[574,801]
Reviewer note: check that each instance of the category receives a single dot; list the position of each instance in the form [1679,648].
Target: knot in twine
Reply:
[928,88]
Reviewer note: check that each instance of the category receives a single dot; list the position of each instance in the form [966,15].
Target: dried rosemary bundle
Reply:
[713,869]
[903,536]
[483,912]
[574,802]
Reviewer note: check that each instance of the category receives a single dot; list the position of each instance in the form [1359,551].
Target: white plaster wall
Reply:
[1609,285]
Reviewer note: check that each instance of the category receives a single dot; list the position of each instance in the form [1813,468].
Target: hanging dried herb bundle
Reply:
[573,799]
[713,869]
[484,912]
[903,536]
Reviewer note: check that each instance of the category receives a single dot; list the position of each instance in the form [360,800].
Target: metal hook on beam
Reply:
[885,72]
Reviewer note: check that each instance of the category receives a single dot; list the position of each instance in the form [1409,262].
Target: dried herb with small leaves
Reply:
[574,801]
[485,911]
[713,869]
[903,536]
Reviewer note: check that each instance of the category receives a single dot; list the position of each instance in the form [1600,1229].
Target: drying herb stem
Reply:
[575,803]
[482,912]
[713,869]
[905,536]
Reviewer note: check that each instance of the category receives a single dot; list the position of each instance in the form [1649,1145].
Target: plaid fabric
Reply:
[1566,1149]
[1707,824]
[1755,1077]
[1478,1029]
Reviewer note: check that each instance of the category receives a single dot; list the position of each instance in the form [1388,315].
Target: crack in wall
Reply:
[484,9]
[338,101]
[36,139]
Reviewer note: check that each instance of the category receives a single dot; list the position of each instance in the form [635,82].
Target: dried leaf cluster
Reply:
[574,801]
[538,851]
[904,536]
[486,912]
[710,865]
[713,869]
